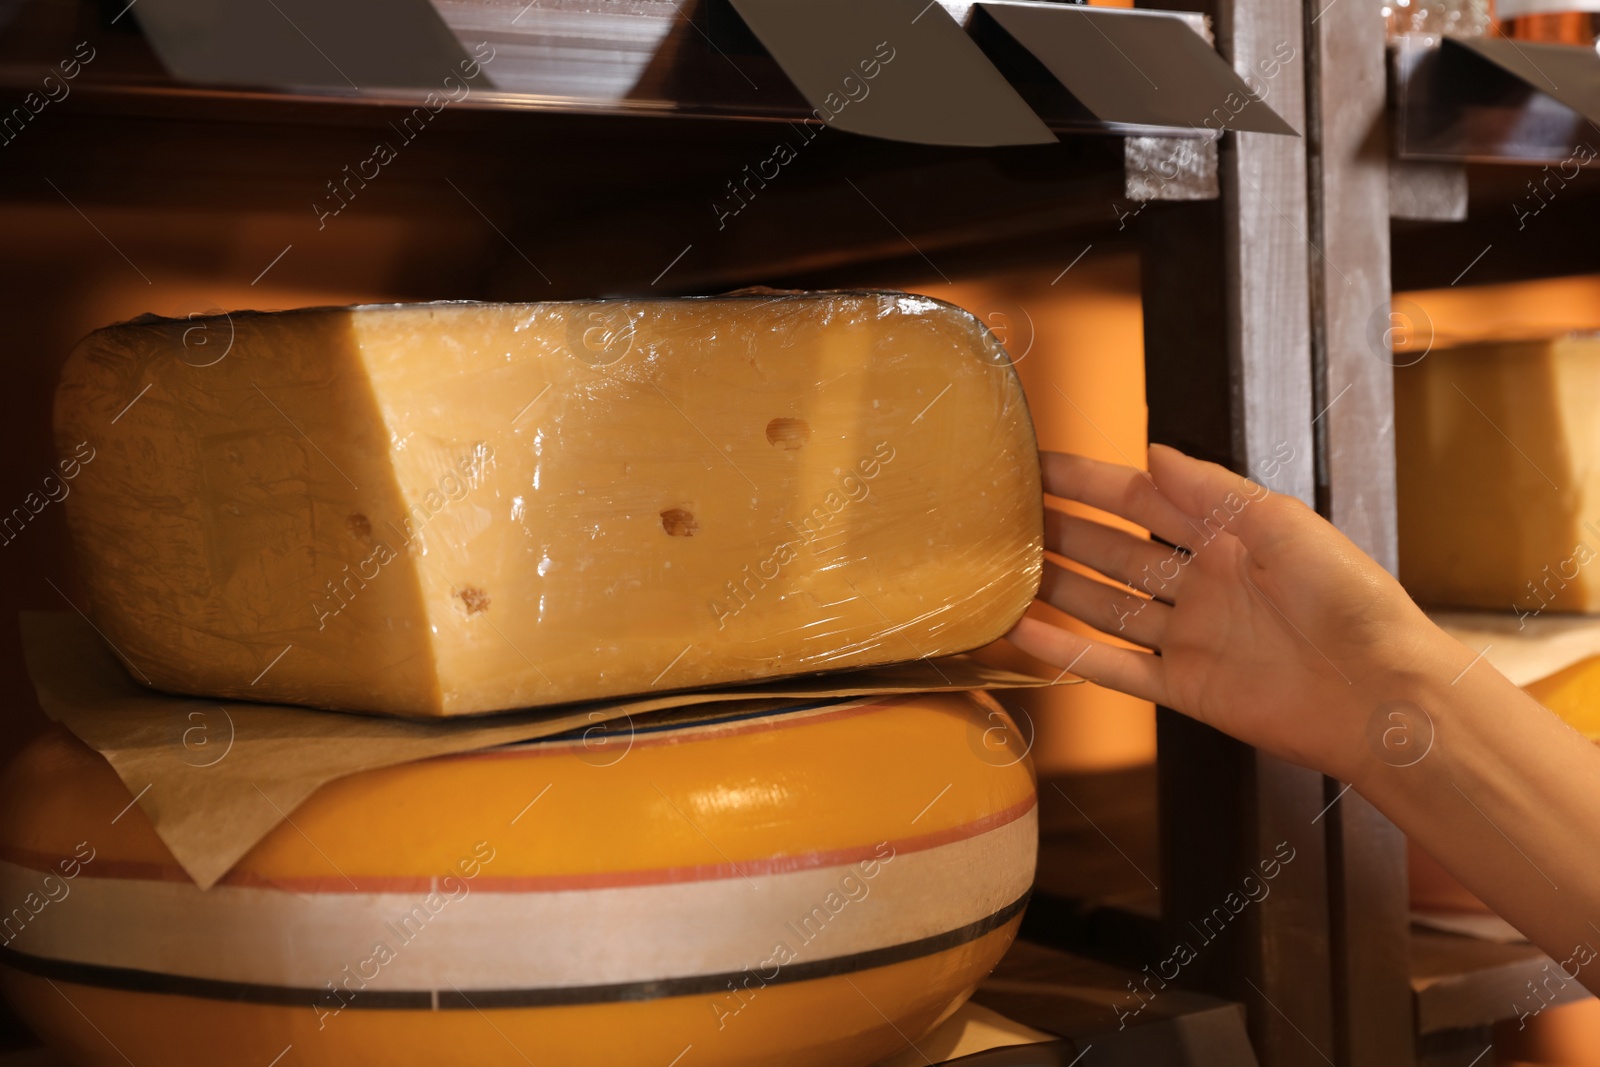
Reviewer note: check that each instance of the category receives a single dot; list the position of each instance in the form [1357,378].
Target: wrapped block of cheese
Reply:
[1498,453]
[451,508]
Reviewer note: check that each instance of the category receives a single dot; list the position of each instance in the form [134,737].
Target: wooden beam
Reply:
[1228,371]
[1348,170]
[1229,377]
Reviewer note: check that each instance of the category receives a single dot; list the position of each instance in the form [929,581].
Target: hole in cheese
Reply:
[788,434]
[679,523]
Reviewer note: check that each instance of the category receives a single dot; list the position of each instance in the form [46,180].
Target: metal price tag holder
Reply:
[994,73]
[954,85]
[1492,100]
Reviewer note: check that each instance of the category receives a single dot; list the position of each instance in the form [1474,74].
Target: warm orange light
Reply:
[1078,342]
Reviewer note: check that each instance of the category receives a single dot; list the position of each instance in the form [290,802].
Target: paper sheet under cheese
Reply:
[971,1030]
[215,777]
[1554,658]
[1524,649]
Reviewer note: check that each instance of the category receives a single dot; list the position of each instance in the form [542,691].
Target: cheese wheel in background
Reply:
[451,508]
[1497,449]
[809,886]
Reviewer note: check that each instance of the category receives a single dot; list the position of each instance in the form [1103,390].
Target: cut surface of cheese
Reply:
[453,508]
[810,886]
[1498,453]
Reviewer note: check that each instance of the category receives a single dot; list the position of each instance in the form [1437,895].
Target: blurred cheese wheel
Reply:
[796,886]
[1574,694]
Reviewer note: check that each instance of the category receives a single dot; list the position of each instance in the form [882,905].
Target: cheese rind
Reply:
[1498,470]
[444,509]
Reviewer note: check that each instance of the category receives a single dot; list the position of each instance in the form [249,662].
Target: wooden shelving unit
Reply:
[564,230]
[1259,293]
[1098,851]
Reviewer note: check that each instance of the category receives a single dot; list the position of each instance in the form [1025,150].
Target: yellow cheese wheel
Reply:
[813,885]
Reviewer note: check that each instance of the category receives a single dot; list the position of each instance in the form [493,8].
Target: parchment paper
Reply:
[1524,649]
[215,777]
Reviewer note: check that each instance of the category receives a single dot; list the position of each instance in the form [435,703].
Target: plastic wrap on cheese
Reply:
[450,508]
[1498,469]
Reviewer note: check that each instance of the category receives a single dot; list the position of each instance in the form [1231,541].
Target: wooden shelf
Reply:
[1092,899]
[1089,1004]
[1509,233]
[566,192]
[1462,982]
[601,205]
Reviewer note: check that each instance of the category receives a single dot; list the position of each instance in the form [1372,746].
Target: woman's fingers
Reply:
[1138,674]
[1105,607]
[1220,500]
[1123,491]
[1150,568]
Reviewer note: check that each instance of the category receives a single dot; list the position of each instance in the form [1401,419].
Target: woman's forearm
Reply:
[1499,790]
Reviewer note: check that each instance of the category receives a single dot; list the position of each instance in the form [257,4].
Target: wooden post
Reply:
[1348,168]
[1229,377]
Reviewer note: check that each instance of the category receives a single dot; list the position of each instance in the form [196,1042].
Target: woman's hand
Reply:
[1279,631]
[1268,623]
